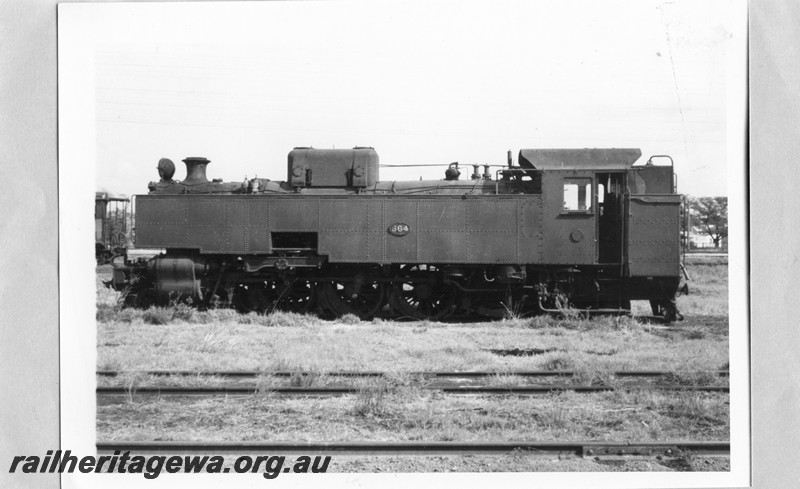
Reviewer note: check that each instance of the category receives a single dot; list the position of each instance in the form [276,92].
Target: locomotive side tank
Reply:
[566,228]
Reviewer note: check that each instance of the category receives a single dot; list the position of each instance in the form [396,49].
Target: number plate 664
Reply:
[399,229]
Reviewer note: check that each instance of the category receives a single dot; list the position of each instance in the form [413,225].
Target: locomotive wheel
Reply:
[257,297]
[104,258]
[363,300]
[666,309]
[295,296]
[655,306]
[422,300]
[138,297]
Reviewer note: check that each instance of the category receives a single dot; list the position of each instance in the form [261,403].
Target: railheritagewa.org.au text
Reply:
[151,466]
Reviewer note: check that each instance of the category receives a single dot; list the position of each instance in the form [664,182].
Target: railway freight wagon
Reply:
[563,229]
[110,226]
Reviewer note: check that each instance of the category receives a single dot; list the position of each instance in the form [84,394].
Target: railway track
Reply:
[591,449]
[337,391]
[445,382]
[585,449]
[431,374]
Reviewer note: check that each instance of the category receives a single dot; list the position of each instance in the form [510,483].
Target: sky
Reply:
[421,82]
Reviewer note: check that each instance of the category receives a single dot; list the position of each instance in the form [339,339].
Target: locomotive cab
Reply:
[584,208]
[613,225]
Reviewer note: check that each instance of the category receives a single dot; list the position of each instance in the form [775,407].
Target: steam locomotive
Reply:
[563,229]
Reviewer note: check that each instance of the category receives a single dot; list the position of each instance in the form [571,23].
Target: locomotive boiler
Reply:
[563,229]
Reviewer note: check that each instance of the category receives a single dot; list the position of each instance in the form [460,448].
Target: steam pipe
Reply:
[587,311]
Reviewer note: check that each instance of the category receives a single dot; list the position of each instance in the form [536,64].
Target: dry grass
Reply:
[708,289]
[325,346]
[371,399]
[184,314]
[382,412]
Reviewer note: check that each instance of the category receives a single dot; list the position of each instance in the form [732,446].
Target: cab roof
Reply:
[105,195]
[579,159]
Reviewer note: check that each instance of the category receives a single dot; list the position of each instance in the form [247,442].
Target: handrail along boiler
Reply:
[564,228]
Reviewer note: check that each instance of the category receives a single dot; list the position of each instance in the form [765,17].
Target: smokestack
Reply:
[196,170]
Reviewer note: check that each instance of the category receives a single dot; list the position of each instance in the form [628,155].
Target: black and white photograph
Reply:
[500,240]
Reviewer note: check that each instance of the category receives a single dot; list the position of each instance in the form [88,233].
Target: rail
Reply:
[430,374]
[582,449]
[516,390]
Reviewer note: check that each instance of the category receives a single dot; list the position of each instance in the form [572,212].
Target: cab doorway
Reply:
[610,216]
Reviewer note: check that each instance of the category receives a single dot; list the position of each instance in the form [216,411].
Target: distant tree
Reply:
[710,216]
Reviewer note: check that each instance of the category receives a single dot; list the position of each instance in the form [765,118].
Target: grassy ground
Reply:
[381,413]
[324,346]
[708,287]
[315,379]
[393,408]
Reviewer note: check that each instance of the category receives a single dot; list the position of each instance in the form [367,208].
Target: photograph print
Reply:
[408,237]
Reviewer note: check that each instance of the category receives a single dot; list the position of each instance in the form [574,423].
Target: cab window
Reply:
[577,195]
